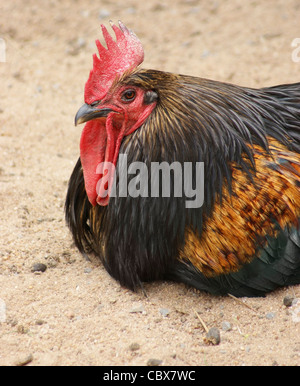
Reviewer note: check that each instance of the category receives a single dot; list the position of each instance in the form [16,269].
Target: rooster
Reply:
[244,239]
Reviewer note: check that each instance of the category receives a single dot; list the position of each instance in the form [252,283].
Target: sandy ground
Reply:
[74,313]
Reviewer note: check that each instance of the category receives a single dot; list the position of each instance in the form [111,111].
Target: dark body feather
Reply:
[226,127]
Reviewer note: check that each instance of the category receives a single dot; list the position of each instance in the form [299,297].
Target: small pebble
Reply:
[137,309]
[213,337]
[288,301]
[22,329]
[39,267]
[154,362]
[164,311]
[134,347]
[39,322]
[270,315]
[24,361]
[226,326]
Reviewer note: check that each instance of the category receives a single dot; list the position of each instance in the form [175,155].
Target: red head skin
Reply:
[101,138]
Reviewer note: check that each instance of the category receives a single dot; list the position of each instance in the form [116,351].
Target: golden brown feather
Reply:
[239,225]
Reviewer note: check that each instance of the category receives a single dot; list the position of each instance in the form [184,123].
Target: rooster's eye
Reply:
[128,96]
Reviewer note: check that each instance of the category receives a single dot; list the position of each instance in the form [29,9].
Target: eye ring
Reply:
[128,95]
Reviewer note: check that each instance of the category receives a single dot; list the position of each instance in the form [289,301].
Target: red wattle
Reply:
[99,148]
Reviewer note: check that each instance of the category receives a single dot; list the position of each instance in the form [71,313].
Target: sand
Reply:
[74,313]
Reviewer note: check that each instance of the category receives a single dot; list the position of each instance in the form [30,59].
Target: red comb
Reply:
[121,55]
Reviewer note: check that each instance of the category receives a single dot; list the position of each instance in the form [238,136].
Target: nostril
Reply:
[95,103]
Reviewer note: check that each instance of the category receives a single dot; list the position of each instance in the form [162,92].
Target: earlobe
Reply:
[150,97]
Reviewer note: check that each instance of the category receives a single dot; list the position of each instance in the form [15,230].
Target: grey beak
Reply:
[87,113]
